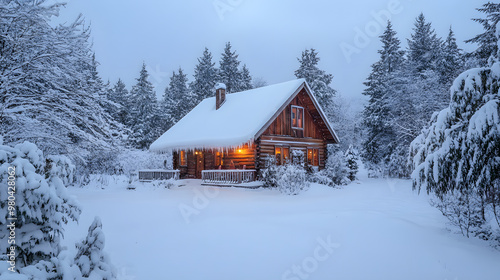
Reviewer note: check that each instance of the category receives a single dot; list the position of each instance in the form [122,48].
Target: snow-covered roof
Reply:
[237,122]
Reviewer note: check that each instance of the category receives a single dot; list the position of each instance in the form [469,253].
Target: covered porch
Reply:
[235,165]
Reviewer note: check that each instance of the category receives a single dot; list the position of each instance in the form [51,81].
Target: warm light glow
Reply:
[239,151]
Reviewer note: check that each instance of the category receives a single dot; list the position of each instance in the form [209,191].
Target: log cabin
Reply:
[227,138]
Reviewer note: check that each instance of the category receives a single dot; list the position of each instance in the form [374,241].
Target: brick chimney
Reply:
[220,95]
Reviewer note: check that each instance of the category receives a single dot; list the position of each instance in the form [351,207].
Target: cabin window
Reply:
[297,117]
[313,157]
[218,159]
[282,154]
[182,158]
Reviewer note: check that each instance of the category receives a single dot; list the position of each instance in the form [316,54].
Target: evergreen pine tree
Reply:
[377,117]
[120,95]
[246,79]
[229,73]
[454,157]
[424,47]
[43,205]
[487,40]
[178,100]
[452,60]
[205,77]
[318,80]
[143,109]
[90,258]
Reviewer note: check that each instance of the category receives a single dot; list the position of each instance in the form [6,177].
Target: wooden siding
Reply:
[283,123]
[267,144]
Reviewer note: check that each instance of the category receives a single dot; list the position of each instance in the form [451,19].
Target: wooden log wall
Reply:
[268,143]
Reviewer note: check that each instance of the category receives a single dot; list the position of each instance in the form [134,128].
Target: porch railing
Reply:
[228,176]
[158,174]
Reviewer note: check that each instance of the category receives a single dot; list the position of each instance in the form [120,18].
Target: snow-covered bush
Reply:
[320,177]
[43,205]
[269,175]
[292,179]
[463,210]
[90,258]
[42,208]
[352,163]
[289,178]
[336,167]
[60,167]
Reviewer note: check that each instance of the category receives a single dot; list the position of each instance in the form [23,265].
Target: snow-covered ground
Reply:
[374,229]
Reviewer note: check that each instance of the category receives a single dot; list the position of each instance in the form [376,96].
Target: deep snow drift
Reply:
[374,229]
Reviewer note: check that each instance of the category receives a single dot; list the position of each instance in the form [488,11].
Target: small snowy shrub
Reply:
[269,175]
[292,179]
[336,168]
[90,258]
[321,178]
[60,167]
[463,210]
[351,162]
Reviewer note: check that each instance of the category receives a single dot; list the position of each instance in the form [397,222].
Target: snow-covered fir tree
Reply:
[318,80]
[487,40]
[379,134]
[56,100]
[424,46]
[120,96]
[144,117]
[404,95]
[43,206]
[93,262]
[205,77]
[178,100]
[456,156]
[229,72]
[452,62]
[246,79]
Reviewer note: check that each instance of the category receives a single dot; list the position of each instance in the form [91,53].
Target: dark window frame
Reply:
[295,118]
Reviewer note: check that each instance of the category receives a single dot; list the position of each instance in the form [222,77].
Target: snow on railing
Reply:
[158,174]
[228,176]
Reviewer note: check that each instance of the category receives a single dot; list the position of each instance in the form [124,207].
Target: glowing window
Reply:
[282,154]
[218,159]
[313,157]
[182,158]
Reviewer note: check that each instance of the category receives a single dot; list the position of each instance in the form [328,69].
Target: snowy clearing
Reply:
[374,229]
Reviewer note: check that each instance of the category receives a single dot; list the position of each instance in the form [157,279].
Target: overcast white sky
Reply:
[267,35]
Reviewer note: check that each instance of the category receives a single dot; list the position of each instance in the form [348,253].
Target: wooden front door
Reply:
[200,163]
